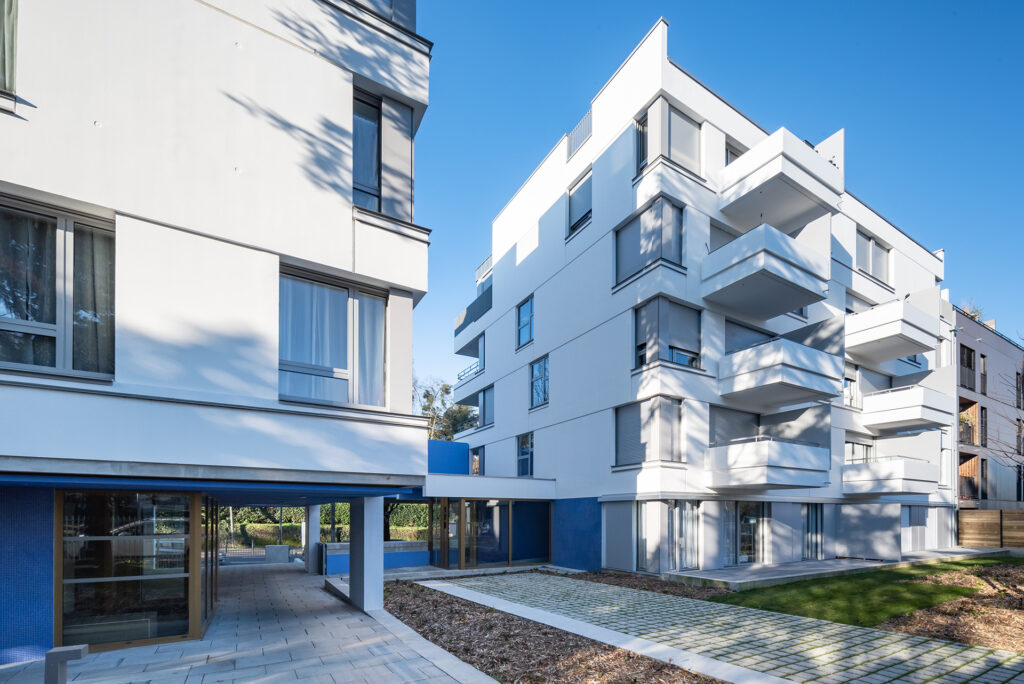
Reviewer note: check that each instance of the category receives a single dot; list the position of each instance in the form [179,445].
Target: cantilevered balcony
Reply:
[906,408]
[891,331]
[781,180]
[767,462]
[890,475]
[764,273]
[777,372]
[473,312]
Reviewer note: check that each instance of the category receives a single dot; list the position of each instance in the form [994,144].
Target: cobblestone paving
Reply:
[795,648]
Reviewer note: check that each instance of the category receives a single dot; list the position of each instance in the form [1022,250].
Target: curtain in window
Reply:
[8,43]
[371,350]
[28,287]
[93,334]
[314,323]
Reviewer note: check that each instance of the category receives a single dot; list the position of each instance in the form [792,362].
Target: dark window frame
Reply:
[643,142]
[520,326]
[524,454]
[544,381]
[375,102]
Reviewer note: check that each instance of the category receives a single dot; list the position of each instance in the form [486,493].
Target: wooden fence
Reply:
[991,528]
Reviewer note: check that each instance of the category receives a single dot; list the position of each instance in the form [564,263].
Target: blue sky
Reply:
[930,95]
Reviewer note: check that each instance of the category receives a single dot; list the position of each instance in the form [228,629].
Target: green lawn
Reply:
[866,599]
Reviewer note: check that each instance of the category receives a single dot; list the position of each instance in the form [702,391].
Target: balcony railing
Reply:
[470,371]
[473,312]
[968,487]
[967,434]
[967,378]
[762,438]
[483,269]
[580,134]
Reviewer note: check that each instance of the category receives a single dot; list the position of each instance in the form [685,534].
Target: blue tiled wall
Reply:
[338,563]
[26,573]
[576,533]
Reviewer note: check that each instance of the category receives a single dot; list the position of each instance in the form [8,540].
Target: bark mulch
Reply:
[512,649]
[993,617]
[631,581]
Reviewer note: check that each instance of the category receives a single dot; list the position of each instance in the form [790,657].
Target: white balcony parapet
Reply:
[778,372]
[913,407]
[781,180]
[764,273]
[891,475]
[767,462]
[891,331]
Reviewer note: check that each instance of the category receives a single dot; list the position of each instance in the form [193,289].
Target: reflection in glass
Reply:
[309,386]
[28,261]
[105,612]
[125,557]
[104,514]
[487,527]
[93,337]
[34,350]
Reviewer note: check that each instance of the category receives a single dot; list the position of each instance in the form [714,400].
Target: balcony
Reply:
[968,488]
[778,372]
[767,463]
[890,475]
[913,407]
[764,273]
[967,434]
[473,312]
[781,179]
[890,331]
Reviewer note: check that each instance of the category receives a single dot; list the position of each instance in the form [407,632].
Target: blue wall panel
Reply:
[576,533]
[447,458]
[26,573]
[338,563]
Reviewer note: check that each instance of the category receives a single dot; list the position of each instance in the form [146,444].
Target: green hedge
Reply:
[404,515]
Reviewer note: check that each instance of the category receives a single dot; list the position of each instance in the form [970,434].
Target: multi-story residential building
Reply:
[991,421]
[208,268]
[704,348]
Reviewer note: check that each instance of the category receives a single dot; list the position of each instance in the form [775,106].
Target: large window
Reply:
[872,257]
[485,406]
[684,140]
[56,291]
[813,528]
[524,322]
[8,43]
[983,374]
[580,204]
[667,331]
[745,523]
[524,455]
[683,534]
[652,236]
[539,382]
[325,330]
[983,427]
[648,431]
[366,152]
[967,370]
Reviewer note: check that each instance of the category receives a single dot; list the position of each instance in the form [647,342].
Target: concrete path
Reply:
[275,624]
[759,644]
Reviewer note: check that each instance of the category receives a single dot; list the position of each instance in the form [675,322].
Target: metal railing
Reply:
[470,371]
[580,134]
[967,376]
[764,438]
[482,269]
[873,458]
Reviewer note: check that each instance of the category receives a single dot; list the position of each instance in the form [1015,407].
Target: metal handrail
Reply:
[894,389]
[765,438]
[483,268]
[888,457]
[472,369]
[580,134]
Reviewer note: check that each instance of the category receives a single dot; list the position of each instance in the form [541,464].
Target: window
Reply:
[486,406]
[525,455]
[1020,482]
[641,536]
[539,382]
[983,478]
[684,140]
[1020,390]
[654,235]
[983,427]
[668,331]
[476,461]
[857,452]
[813,526]
[1020,436]
[967,368]
[983,374]
[872,257]
[524,322]
[43,256]
[8,43]
[852,396]
[641,144]
[732,153]
[319,325]
[580,204]
[648,431]
[366,152]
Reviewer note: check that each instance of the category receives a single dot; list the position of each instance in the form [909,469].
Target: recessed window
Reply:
[732,153]
[655,235]
[684,140]
[580,204]
[872,257]
[8,43]
[366,152]
[539,382]
[323,329]
[43,258]
[967,369]
[485,406]
[524,457]
[641,144]
[647,431]
[476,461]
[668,331]
[524,322]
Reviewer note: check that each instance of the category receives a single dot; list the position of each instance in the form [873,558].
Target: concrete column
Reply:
[312,540]
[366,553]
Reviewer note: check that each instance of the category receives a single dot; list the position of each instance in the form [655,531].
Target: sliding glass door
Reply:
[744,523]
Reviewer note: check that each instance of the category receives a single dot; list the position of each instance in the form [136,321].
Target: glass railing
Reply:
[763,438]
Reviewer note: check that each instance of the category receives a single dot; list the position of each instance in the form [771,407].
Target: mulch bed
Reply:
[513,649]
[631,581]
[993,617]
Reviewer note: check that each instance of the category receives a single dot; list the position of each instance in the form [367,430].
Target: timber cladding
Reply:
[991,528]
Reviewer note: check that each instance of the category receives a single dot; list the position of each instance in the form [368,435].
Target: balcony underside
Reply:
[779,372]
[780,192]
[766,477]
[890,331]
[764,287]
[896,476]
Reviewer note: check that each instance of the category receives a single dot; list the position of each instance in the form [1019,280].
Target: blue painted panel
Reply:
[447,458]
[338,563]
[26,573]
[576,533]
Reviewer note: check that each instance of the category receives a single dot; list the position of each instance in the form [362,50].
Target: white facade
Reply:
[740,236]
[991,421]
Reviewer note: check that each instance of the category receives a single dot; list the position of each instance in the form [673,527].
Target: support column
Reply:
[366,553]
[312,540]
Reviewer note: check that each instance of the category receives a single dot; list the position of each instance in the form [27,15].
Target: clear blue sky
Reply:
[930,95]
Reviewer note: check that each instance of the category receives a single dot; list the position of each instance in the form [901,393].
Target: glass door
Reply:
[748,534]
[682,534]
[813,525]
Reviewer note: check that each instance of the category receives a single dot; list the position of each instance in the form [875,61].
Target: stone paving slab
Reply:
[786,646]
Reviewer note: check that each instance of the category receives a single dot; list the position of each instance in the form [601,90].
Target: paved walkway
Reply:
[785,646]
[274,623]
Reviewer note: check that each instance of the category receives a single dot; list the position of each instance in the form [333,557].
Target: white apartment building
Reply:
[706,347]
[991,420]
[208,268]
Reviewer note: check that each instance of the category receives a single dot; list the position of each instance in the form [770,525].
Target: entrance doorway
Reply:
[482,533]
[744,532]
